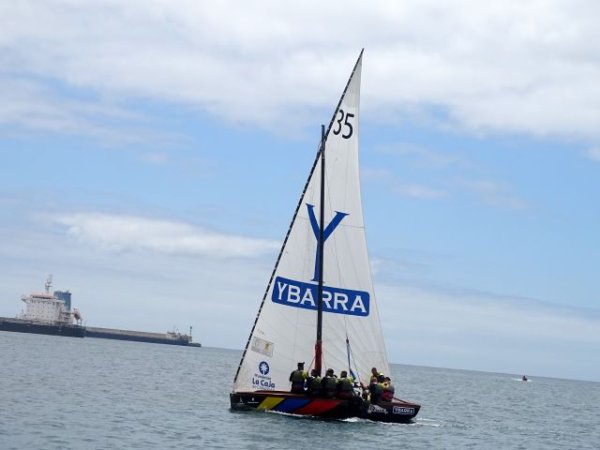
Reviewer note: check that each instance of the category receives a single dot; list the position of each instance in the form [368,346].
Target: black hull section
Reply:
[22,326]
[25,326]
[130,337]
[397,411]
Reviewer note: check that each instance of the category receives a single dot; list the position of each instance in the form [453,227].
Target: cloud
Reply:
[156,158]
[419,191]
[455,172]
[493,193]
[31,104]
[424,155]
[400,187]
[129,233]
[459,328]
[593,154]
[516,67]
[489,192]
[35,105]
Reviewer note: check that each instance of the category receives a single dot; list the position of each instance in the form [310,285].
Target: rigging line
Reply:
[296,212]
[355,375]
[348,352]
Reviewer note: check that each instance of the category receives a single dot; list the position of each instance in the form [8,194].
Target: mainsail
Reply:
[284,330]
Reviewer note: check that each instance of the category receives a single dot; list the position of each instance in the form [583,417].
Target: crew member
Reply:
[297,378]
[313,384]
[388,390]
[376,389]
[345,386]
[376,373]
[329,384]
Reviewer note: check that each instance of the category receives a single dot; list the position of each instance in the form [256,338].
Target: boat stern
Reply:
[397,411]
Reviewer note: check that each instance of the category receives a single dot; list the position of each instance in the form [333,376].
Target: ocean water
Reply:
[68,393]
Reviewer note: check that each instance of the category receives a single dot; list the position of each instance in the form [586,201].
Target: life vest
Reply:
[376,388]
[313,385]
[329,385]
[345,388]
[376,391]
[297,378]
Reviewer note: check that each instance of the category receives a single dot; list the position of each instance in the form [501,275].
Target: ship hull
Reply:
[25,326]
[136,336]
[397,411]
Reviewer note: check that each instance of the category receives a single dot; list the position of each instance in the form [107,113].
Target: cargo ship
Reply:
[50,313]
[46,313]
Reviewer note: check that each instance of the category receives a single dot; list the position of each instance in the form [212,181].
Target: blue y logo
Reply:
[299,294]
[326,232]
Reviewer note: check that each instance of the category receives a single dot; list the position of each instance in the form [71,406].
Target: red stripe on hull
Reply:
[318,406]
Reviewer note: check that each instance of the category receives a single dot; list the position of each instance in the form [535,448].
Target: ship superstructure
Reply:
[46,313]
[50,308]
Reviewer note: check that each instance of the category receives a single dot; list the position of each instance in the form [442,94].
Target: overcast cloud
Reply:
[529,67]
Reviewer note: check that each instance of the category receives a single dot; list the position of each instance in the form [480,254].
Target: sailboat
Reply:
[321,283]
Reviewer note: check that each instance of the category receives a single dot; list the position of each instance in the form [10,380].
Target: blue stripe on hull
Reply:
[289,405]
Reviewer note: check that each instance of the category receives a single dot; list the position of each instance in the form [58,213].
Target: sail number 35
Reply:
[343,124]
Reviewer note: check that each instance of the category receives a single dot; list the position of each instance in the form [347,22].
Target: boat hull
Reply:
[24,326]
[397,411]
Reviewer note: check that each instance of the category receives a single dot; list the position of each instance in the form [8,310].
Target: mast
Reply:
[319,343]
[48,284]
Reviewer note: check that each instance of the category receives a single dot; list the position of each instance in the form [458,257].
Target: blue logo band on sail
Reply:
[335,300]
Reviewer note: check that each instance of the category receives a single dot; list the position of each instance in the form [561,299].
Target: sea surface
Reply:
[68,393]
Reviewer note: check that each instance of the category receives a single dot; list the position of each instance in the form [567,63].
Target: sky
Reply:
[152,154]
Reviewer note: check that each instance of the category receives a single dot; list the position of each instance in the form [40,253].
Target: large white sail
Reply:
[285,329]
